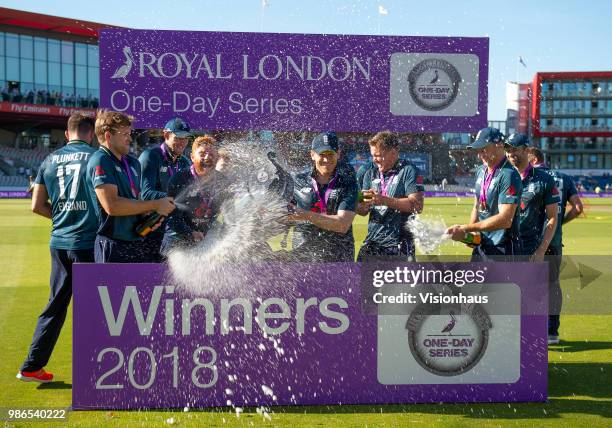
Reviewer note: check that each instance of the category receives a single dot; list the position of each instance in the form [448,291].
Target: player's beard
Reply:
[207,164]
[205,167]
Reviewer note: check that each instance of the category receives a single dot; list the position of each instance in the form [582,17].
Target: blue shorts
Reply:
[108,250]
[505,251]
[370,250]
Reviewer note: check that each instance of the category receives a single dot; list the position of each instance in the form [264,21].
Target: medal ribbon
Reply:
[384,186]
[325,197]
[126,166]
[527,171]
[487,182]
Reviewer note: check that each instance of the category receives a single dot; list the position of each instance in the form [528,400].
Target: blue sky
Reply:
[549,35]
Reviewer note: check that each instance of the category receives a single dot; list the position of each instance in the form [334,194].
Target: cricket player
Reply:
[113,178]
[568,194]
[392,192]
[498,191]
[60,194]
[326,199]
[201,190]
[159,164]
[539,200]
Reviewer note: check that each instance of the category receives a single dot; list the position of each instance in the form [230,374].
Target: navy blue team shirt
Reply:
[105,168]
[539,190]
[505,188]
[321,244]
[386,226]
[198,203]
[567,189]
[157,170]
[63,173]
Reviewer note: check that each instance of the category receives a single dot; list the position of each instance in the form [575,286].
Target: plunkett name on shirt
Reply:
[70,157]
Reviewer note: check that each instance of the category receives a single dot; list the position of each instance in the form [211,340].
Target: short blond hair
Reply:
[110,121]
[385,140]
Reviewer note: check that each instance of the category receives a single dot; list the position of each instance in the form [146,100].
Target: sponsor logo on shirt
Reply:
[317,207]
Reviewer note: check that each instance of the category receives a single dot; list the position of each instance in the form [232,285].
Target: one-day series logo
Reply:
[451,343]
[434,84]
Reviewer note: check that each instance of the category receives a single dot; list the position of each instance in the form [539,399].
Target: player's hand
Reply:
[367,196]
[372,197]
[165,206]
[197,236]
[538,256]
[456,232]
[297,214]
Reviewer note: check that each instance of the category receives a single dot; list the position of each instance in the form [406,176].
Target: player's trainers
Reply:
[38,376]
[553,340]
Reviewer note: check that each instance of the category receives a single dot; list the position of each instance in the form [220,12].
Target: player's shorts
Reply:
[308,253]
[372,251]
[502,252]
[108,250]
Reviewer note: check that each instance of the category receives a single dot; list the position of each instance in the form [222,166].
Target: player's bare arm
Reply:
[576,209]
[549,232]
[40,201]
[412,203]
[116,205]
[339,223]
[502,220]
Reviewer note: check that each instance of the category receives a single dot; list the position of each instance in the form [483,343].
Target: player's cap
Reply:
[485,137]
[179,127]
[517,140]
[325,142]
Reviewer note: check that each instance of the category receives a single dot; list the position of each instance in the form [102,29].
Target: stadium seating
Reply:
[14,181]
[32,158]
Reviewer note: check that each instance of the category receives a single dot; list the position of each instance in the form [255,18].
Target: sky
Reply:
[559,35]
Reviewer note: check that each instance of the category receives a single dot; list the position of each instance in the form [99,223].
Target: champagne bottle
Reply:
[471,238]
[144,227]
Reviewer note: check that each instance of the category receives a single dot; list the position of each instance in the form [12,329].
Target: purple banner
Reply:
[447,194]
[15,194]
[243,81]
[596,195]
[298,334]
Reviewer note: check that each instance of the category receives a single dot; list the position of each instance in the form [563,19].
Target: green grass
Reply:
[580,369]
